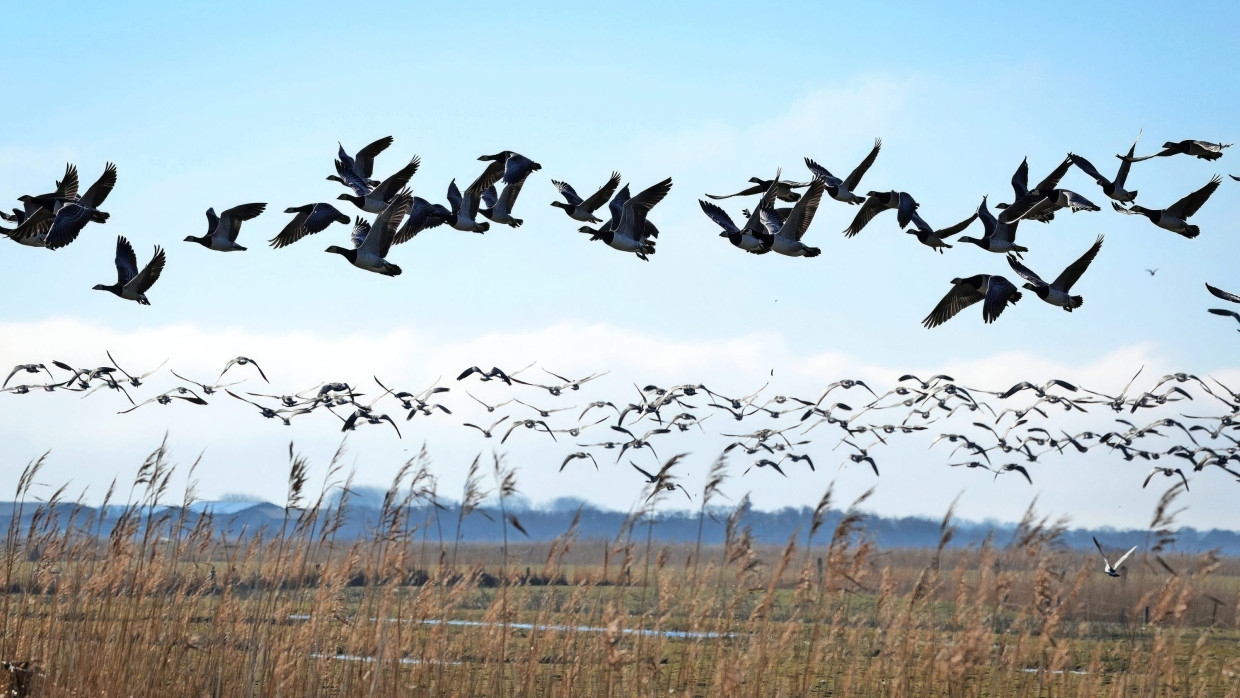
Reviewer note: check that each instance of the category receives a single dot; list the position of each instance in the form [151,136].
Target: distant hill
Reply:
[232,518]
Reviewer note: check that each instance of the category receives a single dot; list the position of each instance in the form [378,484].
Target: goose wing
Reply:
[232,218]
[364,163]
[1069,276]
[1187,206]
[989,222]
[350,178]
[1025,272]
[600,197]
[99,191]
[1125,163]
[744,192]
[803,212]
[1088,168]
[872,207]
[473,195]
[150,273]
[962,295]
[321,216]
[213,222]
[67,224]
[361,231]
[1220,293]
[454,196]
[823,173]
[633,216]
[126,261]
[423,215]
[399,179]
[999,292]
[854,179]
[566,190]
[957,228]
[1020,179]
[517,167]
[67,186]
[904,212]
[719,216]
[379,241]
[616,207]
[1052,179]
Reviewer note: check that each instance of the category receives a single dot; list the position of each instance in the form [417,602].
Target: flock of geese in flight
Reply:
[55,219]
[1008,431]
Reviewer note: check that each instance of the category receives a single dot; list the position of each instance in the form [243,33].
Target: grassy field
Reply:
[159,605]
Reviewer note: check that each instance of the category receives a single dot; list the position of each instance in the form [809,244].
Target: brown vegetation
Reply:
[160,605]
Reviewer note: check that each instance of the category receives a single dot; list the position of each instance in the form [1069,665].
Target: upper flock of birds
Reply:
[979,429]
[54,220]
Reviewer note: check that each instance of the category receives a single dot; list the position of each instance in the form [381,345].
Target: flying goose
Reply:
[284,415]
[28,368]
[76,213]
[135,381]
[360,167]
[631,231]
[788,232]
[465,207]
[487,432]
[204,387]
[842,189]
[32,230]
[499,208]
[663,479]
[583,209]
[244,361]
[754,237]
[876,202]
[783,189]
[1112,188]
[1112,570]
[222,230]
[999,237]
[513,166]
[1175,217]
[578,454]
[376,200]
[310,219]
[1168,472]
[132,284]
[1010,468]
[167,398]
[1056,292]
[1042,206]
[1204,150]
[997,291]
[1024,195]
[66,190]
[494,373]
[372,242]
[937,239]
[423,215]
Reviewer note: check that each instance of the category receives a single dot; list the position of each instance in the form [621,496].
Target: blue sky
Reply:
[233,103]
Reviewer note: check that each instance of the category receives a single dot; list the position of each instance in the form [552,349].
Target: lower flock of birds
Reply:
[54,220]
[1010,431]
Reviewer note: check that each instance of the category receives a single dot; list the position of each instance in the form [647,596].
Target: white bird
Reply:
[1113,570]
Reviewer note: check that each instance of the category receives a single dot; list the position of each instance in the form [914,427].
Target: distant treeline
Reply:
[483,525]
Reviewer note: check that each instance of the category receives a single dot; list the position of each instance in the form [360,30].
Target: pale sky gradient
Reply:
[231,103]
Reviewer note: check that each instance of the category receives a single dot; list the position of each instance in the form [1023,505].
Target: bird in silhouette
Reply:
[996,291]
[1056,292]
[132,283]
[222,230]
[1175,217]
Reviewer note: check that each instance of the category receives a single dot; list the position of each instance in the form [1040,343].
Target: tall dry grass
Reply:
[158,603]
